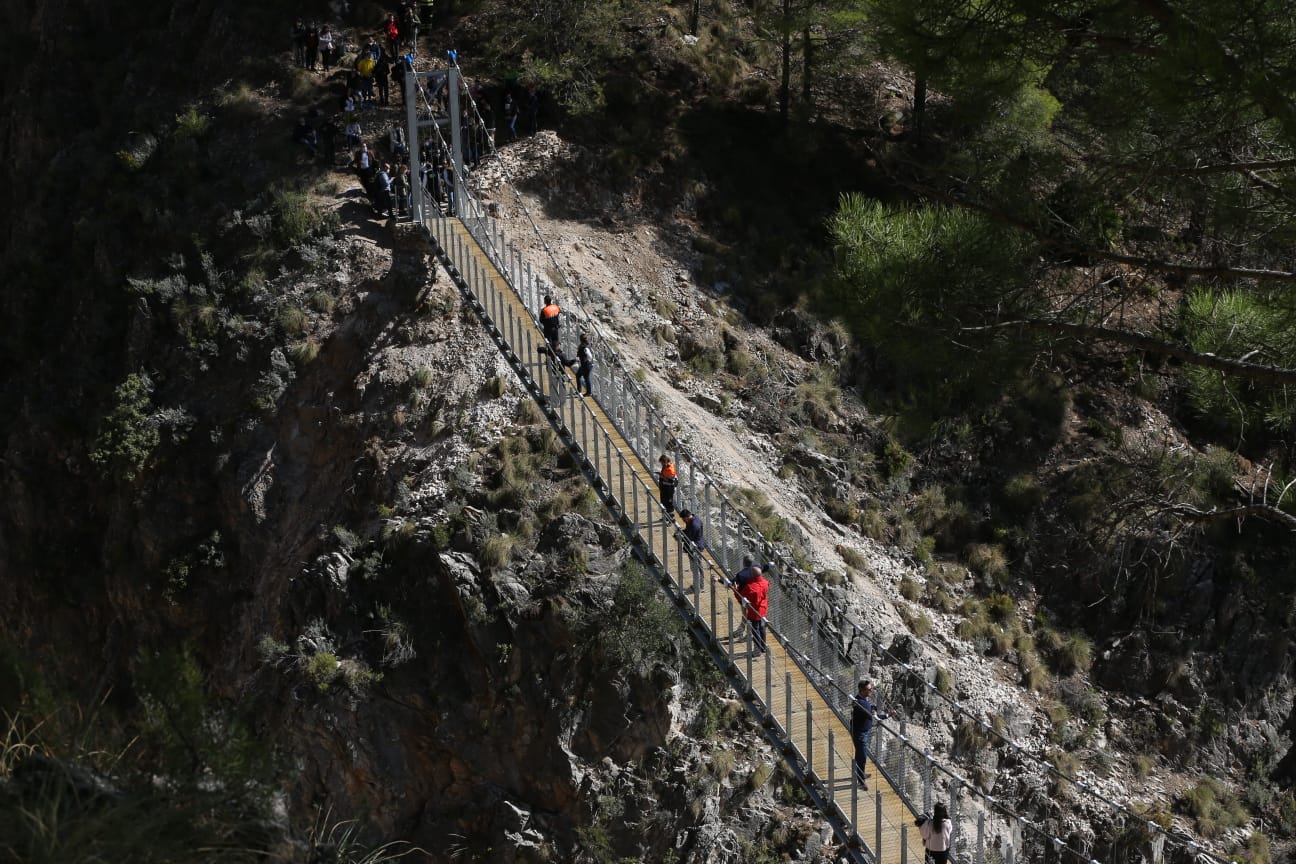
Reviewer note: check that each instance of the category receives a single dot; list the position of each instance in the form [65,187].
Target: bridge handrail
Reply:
[651,434]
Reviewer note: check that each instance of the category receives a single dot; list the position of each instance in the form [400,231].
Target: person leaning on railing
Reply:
[863,714]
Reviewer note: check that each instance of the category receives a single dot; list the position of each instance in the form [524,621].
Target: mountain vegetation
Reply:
[281,570]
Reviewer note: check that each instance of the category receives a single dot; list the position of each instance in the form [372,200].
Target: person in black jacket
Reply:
[863,714]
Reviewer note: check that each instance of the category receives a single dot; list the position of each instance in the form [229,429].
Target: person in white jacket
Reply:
[936,833]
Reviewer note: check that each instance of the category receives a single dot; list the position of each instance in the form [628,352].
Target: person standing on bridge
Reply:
[584,365]
[936,833]
[863,714]
[667,480]
[745,575]
[551,324]
[755,596]
[693,532]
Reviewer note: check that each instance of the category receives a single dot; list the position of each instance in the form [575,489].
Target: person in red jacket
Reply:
[755,592]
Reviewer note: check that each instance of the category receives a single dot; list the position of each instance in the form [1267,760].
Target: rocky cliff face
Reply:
[253,459]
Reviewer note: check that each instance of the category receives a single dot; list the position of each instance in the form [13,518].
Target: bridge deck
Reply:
[774,683]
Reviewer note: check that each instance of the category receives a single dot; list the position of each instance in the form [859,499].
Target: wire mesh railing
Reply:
[818,636]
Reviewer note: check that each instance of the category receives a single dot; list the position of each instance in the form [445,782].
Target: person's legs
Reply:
[861,760]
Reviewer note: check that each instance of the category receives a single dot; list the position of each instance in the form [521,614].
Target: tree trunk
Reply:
[919,106]
[806,62]
[695,16]
[786,86]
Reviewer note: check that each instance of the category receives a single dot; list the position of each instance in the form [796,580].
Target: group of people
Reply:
[749,584]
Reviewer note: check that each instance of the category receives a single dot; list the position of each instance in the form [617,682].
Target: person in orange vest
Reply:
[667,480]
[550,322]
[755,593]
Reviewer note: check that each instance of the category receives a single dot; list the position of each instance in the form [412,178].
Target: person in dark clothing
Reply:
[863,715]
[584,365]
[312,47]
[299,43]
[551,323]
[693,531]
[667,480]
[511,116]
[382,77]
[744,575]
[305,135]
[533,111]
[328,131]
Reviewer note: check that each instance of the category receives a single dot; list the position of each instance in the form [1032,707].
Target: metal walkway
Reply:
[798,720]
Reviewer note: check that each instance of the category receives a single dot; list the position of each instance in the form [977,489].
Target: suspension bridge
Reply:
[799,690]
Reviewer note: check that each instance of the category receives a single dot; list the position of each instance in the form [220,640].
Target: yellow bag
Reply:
[366,66]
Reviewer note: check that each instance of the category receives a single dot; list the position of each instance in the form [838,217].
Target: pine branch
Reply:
[1242,368]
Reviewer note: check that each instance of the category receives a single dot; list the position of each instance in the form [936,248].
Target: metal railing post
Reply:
[769,679]
[854,804]
[832,777]
[980,846]
[955,788]
[927,781]
[904,844]
[877,828]
[809,755]
[788,707]
[724,536]
[904,751]
[750,643]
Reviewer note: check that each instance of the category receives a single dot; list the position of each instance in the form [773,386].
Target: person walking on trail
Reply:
[667,480]
[755,596]
[936,833]
[551,323]
[863,714]
[584,365]
[695,535]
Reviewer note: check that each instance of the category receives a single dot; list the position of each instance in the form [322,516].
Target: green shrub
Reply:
[1066,763]
[1023,494]
[944,681]
[760,776]
[908,588]
[929,509]
[853,558]
[190,125]
[305,351]
[637,629]
[322,302]
[320,669]
[1257,849]
[496,386]
[1215,808]
[1232,323]
[496,551]
[896,460]
[970,739]
[841,512]
[127,436]
[294,321]
[293,217]
[1001,607]
[989,561]
[920,625]
[1073,653]
[872,522]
